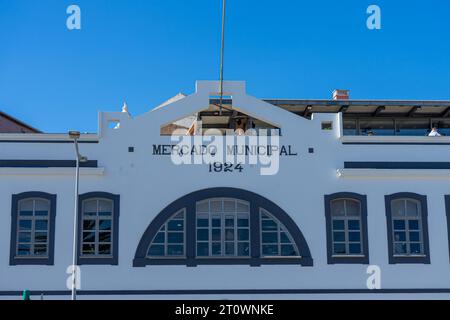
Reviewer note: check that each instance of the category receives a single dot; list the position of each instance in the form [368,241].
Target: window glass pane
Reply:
[156,250]
[443,126]
[175,237]
[104,237]
[349,127]
[269,250]
[159,238]
[413,224]
[354,236]
[284,238]
[400,236]
[203,206]
[88,249]
[400,248]
[229,248]
[338,225]
[26,207]
[216,249]
[202,249]
[338,207]
[229,222]
[88,236]
[42,207]
[202,222]
[242,206]
[25,237]
[399,224]
[377,127]
[40,237]
[216,206]
[354,248]
[229,206]
[243,234]
[268,225]
[105,225]
[89,224]
[413,127]
[216,234]
[90,207]
[175,250]
[243,249]
[24,250]
[216,222]
[175,225]
[105,207]
[202,234]
[41,225]
[40,249]
[353,225]
[269,237]
[288,250]
[229,234]
[353,208]
[414,236]
[338,236]
[24,225]
[415,248]
[242,222]
[398,208]
[339,248]
[412,208]
[104,249]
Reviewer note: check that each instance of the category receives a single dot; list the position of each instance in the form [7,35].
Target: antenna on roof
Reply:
[222,51]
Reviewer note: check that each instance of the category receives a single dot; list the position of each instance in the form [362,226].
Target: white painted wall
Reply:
[147,184]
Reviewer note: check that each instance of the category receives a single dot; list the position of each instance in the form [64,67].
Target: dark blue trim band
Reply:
[397,165]
[447,212]
[46,164]
[189,202]
[229,291]
[43,141]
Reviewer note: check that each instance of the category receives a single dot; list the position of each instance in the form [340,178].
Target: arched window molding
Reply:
[188,203]
[48,259]
[362,200]
[98,259]
[422,200]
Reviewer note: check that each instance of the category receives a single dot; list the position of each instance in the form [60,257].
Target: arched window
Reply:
[170,239]
[32,234]
[98,228]
[275,239]
[346,222]
[407,228]
[222,226]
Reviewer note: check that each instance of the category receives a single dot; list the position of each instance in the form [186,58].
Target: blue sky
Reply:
[145,51]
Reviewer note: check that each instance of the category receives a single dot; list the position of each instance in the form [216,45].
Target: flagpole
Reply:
[222,53]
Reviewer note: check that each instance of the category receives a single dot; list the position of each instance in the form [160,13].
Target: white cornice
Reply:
[87,137]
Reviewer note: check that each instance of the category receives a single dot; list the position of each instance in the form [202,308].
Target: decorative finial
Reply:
[125,108]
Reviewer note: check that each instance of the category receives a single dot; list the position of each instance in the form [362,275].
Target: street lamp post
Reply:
[75,135]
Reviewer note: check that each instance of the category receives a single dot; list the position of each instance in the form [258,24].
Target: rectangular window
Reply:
[97,227]
[223,228]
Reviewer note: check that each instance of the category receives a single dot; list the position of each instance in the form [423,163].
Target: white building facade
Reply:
[329,216]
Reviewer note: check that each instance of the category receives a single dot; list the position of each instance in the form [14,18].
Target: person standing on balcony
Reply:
[434,133]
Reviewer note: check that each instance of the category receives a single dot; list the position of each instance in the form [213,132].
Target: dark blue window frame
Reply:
[95,260]
[425,259]
[447,212]
[189,203]
[362,199]
[18,260]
